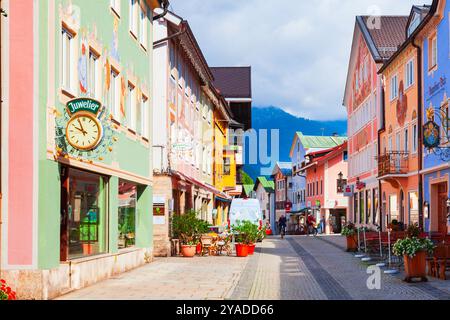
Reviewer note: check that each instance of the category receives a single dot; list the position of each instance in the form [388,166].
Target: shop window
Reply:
[376,209]
[67,60]
[83,214]
[393,208]
[362,213]
[355,207]
[368,206]
[127,214]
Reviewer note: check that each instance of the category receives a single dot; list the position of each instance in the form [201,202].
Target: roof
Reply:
[320,142]
[268,185]
[284,167]
[320,156]
[387,38]
[248,188]
[233,82]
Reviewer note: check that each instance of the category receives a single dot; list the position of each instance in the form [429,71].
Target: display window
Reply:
[127,214]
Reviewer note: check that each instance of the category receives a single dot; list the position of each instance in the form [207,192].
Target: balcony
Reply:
[393,163]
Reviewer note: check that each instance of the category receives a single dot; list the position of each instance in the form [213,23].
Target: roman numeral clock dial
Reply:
[84,132]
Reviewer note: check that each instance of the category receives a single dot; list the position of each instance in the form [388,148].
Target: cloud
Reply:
[298,50]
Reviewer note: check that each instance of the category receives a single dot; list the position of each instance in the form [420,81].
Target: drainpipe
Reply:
[165,5]
[380,194]
[2,14]
[175,35]
[419,128]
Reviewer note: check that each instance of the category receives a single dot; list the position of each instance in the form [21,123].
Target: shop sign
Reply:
[318,203]
[331,204]
[432,90]
[288,206]
[431,138]
[360,185]
[83,105]
[348,190]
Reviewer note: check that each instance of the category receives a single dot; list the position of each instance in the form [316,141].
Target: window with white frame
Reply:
[432,52]
[414,138]
[67,59]
[131,107]
[94,75]
[143,34]
[394,87]
[133,17]
[409,73]
[114,95]
[115,6]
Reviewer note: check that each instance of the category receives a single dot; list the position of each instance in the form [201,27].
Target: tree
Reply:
[246,179]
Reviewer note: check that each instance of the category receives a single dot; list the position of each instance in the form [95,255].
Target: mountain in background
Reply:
[288,124]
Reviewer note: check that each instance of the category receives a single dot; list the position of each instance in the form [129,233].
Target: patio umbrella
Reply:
[390,270]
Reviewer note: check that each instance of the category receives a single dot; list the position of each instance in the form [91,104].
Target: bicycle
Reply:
[282,231]
[312,230]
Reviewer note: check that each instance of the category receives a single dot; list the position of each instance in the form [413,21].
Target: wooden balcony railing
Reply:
[392,163]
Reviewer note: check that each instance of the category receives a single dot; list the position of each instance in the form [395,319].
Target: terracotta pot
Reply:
[352,243]
[251,249]
[87,249]
[241,250]
[268,232]
[188,251]
[416,267]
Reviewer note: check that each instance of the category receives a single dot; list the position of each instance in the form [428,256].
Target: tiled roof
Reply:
[233,82]
[320,142]
[248,188]
[268,185]
[390,35]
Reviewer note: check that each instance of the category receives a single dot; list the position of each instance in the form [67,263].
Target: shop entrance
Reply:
[442,208]
[337,220]
[83,229]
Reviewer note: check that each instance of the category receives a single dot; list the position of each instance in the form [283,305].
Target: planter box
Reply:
[416,267]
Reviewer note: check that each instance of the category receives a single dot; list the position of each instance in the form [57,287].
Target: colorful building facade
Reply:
[282,177]
[76,122]
[326,175]
[375,40]
[435,116]
[265,193]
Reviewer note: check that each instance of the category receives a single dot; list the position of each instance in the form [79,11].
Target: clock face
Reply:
[84,132]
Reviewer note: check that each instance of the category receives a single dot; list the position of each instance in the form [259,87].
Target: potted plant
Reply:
[414,251]
[246,234]
[6,293]
[349,231]
[188,229]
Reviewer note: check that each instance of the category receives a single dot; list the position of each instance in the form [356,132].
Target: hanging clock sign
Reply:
[431,138]
[84,130]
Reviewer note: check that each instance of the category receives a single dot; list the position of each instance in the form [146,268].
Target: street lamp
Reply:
[341,176]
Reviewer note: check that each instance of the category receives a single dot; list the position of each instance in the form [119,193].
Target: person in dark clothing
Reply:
[282,224]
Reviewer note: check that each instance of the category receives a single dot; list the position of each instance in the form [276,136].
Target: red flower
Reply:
[2,281]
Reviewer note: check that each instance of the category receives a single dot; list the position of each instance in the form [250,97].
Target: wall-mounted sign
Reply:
[360,185]
[348,190]
[159,211]
[431,137]
[438,86]
[288,207]
[84,131]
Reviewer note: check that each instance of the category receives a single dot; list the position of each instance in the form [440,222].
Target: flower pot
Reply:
[241,250]
[251,249]
[188,251]
[268,232]
[415,267]
[199,248]
[87,249]
[352,243]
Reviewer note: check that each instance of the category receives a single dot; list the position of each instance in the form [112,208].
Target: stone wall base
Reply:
[73,275]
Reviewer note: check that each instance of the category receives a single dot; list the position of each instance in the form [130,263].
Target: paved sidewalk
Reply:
[198,278]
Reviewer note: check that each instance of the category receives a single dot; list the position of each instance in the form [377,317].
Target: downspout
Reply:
[380,194]
[419,128]
[2,14]
[165,5]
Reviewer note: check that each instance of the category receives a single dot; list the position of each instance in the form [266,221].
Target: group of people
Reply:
[311,225]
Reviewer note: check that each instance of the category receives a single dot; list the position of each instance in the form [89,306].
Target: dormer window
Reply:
[415,21]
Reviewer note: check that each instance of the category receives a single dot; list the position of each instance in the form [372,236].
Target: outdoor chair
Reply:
[437,264]
[224,245]
[208,245]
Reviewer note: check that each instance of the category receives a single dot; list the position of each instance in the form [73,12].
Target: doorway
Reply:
[442,208]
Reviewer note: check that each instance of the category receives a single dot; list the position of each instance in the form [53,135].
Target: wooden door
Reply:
[442,208]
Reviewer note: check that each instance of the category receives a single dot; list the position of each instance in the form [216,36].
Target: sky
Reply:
[299,50]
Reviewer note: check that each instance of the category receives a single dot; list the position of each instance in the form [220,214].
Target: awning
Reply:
[300,212]
[207,187]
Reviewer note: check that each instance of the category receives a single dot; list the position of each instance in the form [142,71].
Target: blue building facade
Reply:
[436,89]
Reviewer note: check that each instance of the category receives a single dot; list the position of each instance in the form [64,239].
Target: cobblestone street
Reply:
[297,268]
